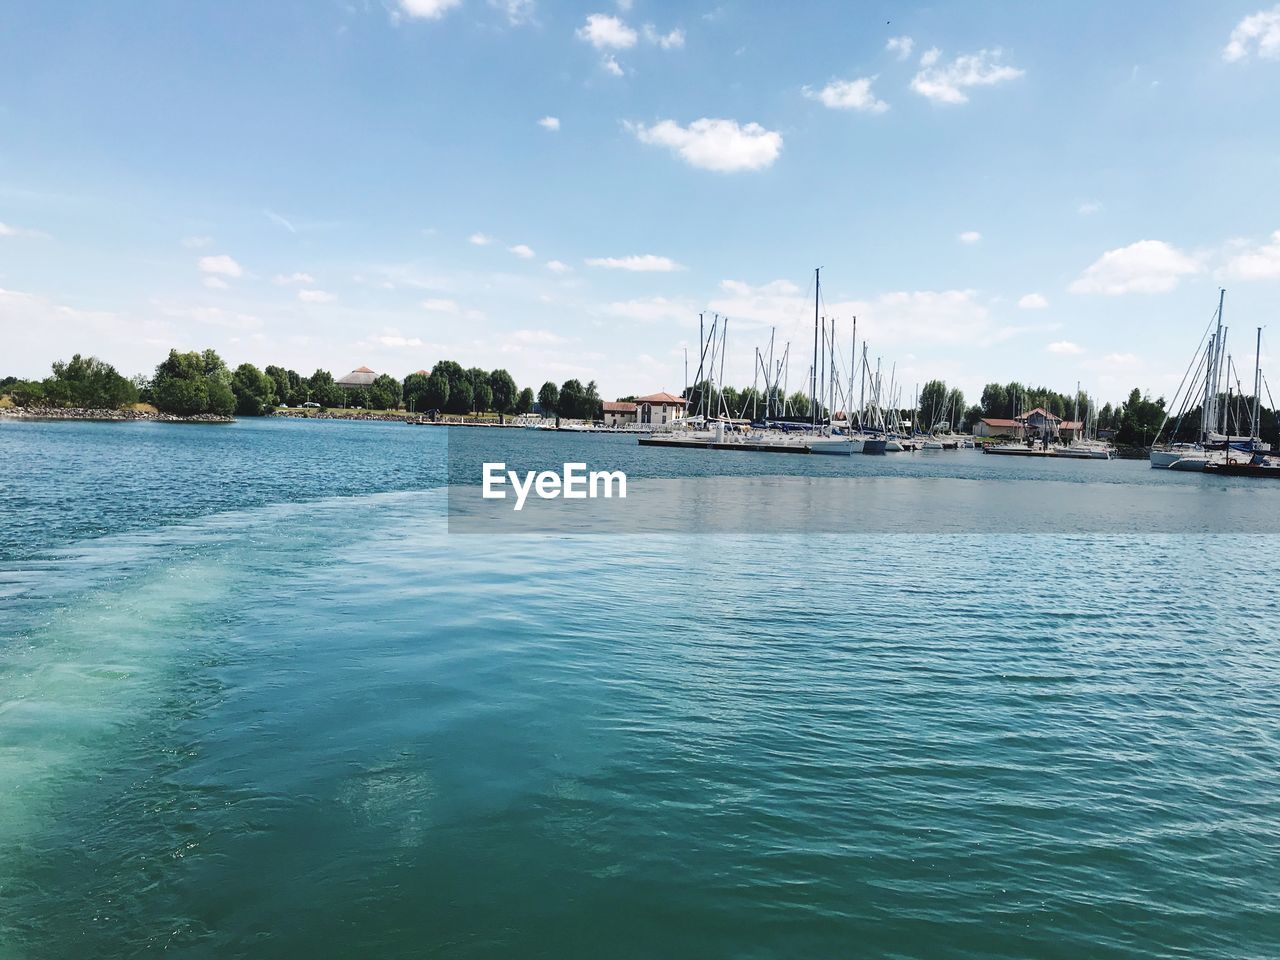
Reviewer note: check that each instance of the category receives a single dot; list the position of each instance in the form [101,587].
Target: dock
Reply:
[745,445]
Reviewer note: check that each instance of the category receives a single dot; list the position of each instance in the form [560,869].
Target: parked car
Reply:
[313,404]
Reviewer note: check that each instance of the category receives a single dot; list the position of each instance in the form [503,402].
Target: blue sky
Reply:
[1043,192]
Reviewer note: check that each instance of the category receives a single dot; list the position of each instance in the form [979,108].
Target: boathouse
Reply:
[658,409]
[618,413]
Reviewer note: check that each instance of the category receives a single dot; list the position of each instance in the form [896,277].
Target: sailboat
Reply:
[1211,365]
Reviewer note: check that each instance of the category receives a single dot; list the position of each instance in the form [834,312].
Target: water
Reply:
[256,700]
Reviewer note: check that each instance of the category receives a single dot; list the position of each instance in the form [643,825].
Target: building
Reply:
[999,427]
[1034,424]
[619,413]
[658,409]
[361,378]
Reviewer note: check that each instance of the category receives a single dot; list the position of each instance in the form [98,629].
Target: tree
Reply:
[435,396]
[573,397]
[549,399]
[933,402]
[322,389]
[88,382]
[384,393]
[524,402]
[253,389]
[27,393]
[415,385]
[995,401]
[1140,418]
[503,388]
[461,397]
[193,383]
[798,404]
[280,382]
[482,398]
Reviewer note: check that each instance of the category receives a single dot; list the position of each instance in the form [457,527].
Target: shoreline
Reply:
[106,416]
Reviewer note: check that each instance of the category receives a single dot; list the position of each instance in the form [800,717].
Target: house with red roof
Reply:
[659,409]
[618,413]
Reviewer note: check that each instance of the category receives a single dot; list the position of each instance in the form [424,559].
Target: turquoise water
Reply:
[255,700]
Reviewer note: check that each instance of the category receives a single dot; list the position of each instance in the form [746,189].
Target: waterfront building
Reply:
[361,378]
[618,413]
[659,409]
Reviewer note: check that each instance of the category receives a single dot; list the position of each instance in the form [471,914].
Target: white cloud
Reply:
[556,266]
[848,95]
[605,32]
[440,305]
[480,239]
[667,41]
[1032,301]
[899,318]
[220,264]
[623,5]
[969,237]
[215,283]
[549,123]
[611,65]
[427,9]
[9,230]
[900,46]
[713,144]
[1064,346]
[1257,33]
[532,337]
[395,340]
[1148,266]
[651,309]
[285,280]
[947,84]
[316,296]
[518,12]
[1126,360]
[637,263]
[522,250]
[1260,263]
[280,221]
[1089,208]
[192,242]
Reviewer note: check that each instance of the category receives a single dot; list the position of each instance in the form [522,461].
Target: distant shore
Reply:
[80,413]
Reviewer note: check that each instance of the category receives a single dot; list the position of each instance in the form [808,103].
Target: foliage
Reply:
[322,389]
[26,393]
[503,390]
[255,392]
[549,399]
[435,396]
[384,393]
[87,382]
[415,386]
[482,397]
[461,397]
[193,383]
[524,402]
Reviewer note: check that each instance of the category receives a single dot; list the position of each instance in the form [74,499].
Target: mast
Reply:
[813,372]
[1257,386]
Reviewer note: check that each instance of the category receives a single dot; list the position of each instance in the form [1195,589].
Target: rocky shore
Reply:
[79,413]
[339,415]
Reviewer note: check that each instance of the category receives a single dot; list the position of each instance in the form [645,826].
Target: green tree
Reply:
[88,382]
[193,383]
[503,388]
[549,399]
[281,384]
[573,397]
[436,394]
[933,402]
[415,385]
[461,397]
[524,402]
[798,404]
[482,398]
[27,393]
[255,392]
[322,389]
[384,392]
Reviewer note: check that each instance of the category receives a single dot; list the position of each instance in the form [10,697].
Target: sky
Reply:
[1048,192]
